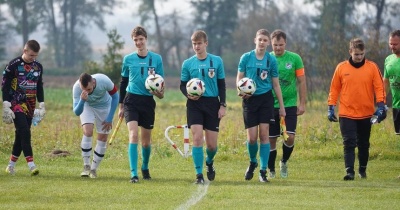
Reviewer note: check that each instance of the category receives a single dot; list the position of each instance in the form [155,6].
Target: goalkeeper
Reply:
[22,85]
[95,99]
[357,81]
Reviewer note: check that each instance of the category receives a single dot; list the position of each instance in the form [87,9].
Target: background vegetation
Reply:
[315,180]
[319,30]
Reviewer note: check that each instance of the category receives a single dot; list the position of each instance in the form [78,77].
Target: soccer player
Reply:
[137,104]
[391,77]
[258,109]
[357,81]
[292,81]
[95,99]
[205,112]
[22,86]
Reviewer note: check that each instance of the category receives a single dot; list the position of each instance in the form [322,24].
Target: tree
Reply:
[112,60]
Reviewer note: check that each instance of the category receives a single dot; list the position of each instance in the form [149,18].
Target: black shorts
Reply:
[258,109]
[141,109]
[203,112]
[290,120]
[396,120]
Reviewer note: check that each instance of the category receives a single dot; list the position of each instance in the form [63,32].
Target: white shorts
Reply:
[95,116]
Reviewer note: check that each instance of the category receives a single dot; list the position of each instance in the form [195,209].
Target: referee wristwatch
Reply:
[223,104]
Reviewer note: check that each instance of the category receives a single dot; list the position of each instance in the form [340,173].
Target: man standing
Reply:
[205,112]
[22,85]
[95,99]
[391,77]
[137,104]
[258,109]
[292,80]
[357,82]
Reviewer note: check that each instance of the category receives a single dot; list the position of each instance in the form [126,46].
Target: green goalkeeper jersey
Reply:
[392,73]
[290,65]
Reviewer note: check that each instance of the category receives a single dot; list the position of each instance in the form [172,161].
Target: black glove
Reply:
[381,112]
[331,113]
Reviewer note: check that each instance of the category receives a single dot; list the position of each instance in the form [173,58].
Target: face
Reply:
[394,45]
[29,55]
[199,46]
[140,42]
[261,42]
[357,55]
[89,88]
[278,46]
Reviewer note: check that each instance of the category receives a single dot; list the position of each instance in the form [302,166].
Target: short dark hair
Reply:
[356,43]
[198,35]
[84,79]
[394,33]
[139,30]
[278,34]
[33,45]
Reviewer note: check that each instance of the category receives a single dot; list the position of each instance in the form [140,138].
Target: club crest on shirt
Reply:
[288,65]
[151,70]
[264,74]
[211,72]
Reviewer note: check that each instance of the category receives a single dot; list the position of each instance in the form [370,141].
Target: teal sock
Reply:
[146,157]
[252,149]
[198,158]
[133,157]
[210,155]
[264,155]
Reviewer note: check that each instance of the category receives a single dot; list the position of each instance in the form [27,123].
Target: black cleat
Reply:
[199,179]
[362,175]
[348,177]
[210,171]
[146,174]
[250,171]
[263,176]
[134,179]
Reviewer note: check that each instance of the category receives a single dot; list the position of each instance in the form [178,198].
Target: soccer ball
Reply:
[154,82]
[195,87]
[246,86]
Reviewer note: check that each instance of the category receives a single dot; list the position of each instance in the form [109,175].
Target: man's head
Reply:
[31,51]
[139,37]
[262,39]
[394,42]
[357,50]
[278,41]
[199,42]
[87,83]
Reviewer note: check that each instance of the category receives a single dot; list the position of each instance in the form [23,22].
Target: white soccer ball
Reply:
[195,87]
[154,82]
[246,86]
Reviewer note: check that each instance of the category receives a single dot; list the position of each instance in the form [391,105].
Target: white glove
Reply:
[8,114]
[41,111]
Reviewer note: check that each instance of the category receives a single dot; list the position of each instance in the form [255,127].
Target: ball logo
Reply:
[288,65]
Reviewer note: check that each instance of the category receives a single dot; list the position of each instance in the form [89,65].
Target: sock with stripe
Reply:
[98,155]
[86,146]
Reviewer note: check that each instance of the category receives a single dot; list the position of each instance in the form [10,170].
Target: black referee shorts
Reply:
[203,112]
[141,109]
[258,109]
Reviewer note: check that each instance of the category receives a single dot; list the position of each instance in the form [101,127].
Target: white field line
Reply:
[196,197]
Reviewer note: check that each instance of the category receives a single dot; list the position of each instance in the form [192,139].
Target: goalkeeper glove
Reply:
[41,111]
[331,114]
[380,112]
[8,114]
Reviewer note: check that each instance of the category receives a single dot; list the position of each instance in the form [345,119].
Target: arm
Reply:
[302,87]
[114,104]
[386,86]
[278,93]
[78,107]
[122,89]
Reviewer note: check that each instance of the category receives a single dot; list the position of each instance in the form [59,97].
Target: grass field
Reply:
[315,181]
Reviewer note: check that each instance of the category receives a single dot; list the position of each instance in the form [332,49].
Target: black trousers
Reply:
[22,142]
[355,133]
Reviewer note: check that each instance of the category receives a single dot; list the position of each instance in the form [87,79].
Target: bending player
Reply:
[95,99]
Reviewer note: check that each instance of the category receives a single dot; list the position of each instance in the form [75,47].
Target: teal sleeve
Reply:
[78,107]
[114,104]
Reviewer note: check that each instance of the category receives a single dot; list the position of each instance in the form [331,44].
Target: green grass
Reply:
[315,181]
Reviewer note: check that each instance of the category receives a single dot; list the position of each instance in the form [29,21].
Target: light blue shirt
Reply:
[138,69]
[253,68]
[99,98]
[208,70]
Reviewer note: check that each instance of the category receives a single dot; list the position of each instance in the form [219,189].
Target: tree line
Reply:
[318,30]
